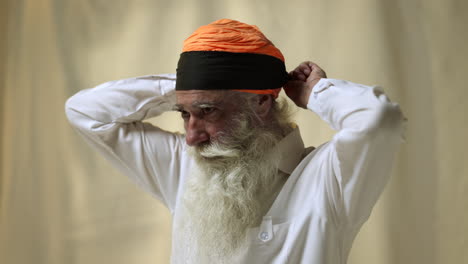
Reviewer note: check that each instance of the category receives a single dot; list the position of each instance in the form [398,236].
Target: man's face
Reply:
[205,113]
[237,168]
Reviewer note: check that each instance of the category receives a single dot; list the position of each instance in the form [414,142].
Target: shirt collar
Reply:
[291,148]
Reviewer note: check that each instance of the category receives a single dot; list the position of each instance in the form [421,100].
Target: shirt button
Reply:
[264,236]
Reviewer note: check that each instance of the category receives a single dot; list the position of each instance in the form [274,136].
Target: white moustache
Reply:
[217,151]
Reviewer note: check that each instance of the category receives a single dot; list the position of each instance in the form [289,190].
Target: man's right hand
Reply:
[303,79]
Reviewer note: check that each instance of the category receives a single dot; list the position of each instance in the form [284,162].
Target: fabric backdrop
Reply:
[62,203]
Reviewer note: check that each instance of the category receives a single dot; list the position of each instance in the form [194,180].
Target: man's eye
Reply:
[208,110]
[184,114]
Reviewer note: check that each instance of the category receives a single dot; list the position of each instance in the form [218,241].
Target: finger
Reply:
[316,74]
[320,72]
[302,71]
[305,69]
[304,66]
[293,75]
[311,64]
[301,67]
[317,70]
[299,75]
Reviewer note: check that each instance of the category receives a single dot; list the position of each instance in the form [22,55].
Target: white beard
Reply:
[229,192]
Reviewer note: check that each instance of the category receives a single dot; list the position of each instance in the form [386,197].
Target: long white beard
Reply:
[230,191]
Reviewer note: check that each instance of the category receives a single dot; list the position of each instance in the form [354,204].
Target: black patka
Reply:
[219,70]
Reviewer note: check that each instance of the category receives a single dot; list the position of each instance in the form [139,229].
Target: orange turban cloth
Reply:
[228,54]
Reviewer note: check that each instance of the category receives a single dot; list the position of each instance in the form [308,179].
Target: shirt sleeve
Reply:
[110,118]
[370,129]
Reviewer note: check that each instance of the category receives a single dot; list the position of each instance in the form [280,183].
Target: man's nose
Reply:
[195,132]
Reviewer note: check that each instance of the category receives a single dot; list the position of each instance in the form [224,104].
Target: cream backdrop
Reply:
[62,203]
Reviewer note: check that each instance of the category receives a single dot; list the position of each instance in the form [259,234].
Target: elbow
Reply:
[70,112]
[388,119]
[86,117]
[75,114]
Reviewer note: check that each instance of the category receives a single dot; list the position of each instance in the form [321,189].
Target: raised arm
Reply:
[110,118]
[370,128]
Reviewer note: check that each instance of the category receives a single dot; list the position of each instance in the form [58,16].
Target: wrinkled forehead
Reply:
[189,98]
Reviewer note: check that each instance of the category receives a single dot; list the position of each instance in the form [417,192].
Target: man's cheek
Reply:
[215,129]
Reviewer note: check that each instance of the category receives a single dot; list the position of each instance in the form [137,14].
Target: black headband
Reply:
[219,70]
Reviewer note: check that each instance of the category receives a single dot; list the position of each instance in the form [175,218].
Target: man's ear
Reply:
[263,105]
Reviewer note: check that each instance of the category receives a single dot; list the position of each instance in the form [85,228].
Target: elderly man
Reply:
[240,185]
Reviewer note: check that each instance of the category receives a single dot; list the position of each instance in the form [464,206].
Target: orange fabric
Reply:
[231,36]
[274,92]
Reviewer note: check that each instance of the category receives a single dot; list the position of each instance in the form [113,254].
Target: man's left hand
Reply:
[303,80]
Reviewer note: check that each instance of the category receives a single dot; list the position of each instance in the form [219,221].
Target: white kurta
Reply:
[327,197]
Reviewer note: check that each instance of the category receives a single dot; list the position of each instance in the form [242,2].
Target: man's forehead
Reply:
[191,97]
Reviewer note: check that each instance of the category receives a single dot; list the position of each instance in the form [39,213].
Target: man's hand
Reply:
[303,79]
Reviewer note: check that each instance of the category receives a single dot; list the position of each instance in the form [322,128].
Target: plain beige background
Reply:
[62,203]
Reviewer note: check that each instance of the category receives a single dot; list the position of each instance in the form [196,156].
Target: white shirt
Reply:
[327,197]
